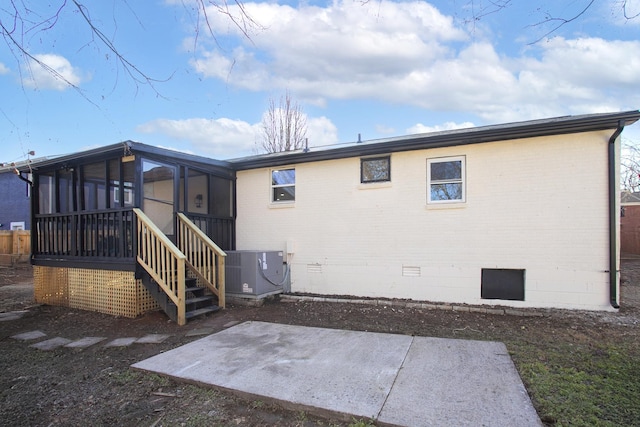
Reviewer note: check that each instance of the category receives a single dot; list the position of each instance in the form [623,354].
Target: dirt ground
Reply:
[74,387]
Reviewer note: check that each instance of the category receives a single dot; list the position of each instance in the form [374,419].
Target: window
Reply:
[445,180]
[128,193]
[502,283]
[375,169]
[283,185]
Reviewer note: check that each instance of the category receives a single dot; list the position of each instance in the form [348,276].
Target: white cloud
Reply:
[384,130]
[51,71]
[225,138]
[219,138]
[420,128]
[409,53]
[321,131]
[3,69]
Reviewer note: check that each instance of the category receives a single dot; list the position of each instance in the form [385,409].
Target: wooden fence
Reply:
[15,246]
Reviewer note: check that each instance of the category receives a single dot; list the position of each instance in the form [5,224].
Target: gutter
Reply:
[613,212]
[492,133]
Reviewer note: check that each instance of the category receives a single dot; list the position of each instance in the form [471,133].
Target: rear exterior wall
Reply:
[538,204]
[15,202]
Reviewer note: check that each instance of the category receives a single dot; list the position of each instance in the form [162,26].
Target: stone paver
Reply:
[230,324]
[85,342]
[121,342]
[31,335]
[199,331]
[152,339]
[11,315]
[51,344]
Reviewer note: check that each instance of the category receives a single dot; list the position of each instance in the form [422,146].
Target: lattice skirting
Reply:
[117,293]
[51,285]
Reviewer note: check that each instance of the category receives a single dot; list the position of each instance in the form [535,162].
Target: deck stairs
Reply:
[186,278]
[199,301]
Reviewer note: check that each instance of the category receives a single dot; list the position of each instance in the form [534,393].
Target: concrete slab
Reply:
[396,379]
[152,339]
[461,383]
[85,342]
[121,342]
[342,372]
[31,335]
[51,344]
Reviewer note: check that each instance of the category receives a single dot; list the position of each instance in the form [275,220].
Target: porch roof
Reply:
[131,148]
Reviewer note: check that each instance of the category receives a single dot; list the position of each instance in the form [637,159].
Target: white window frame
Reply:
[128,194]
[462,180]
[273,186]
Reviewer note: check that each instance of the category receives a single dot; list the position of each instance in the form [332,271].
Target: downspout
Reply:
[613,216]
[17,172]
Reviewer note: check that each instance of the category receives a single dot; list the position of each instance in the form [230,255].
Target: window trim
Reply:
[363,160]
[273,186]
[462,180]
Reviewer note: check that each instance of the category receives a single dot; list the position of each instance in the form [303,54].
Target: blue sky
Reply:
[375,68]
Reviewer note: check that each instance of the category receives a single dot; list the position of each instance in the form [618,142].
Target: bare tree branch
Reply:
[284,126]
[134,72]
[560,22]
[630,166]
[626,14]
[14,44]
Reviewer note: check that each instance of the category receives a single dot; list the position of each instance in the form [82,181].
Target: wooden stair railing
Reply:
[203,257]
[164,262]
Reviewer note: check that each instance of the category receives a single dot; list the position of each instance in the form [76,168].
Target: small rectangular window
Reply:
[502,283]
[446,180]
[128,193]
[283,185]
[375,169]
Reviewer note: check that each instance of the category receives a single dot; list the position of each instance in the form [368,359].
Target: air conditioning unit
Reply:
[254,274]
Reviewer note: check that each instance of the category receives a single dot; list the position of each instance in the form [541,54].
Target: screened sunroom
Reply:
[128,227]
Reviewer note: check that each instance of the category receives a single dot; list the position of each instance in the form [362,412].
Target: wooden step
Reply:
[197,300]
[196,290]
[201,311]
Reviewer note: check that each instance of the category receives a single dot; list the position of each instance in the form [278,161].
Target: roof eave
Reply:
[132,147]
[520,130]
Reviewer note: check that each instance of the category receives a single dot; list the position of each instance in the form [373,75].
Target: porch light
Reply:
[198,200]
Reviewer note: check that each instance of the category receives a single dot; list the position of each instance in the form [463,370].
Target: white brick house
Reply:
[522,214]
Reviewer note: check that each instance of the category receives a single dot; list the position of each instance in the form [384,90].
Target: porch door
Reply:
[158,194]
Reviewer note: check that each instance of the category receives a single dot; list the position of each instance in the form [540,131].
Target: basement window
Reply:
[502,283]
[375,169]
[283,185]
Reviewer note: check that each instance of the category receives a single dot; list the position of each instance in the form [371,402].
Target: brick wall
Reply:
[538,204]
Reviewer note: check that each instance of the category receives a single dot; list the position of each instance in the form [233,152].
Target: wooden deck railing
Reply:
[220,230]
[204,257]
[164,262]
[104,234]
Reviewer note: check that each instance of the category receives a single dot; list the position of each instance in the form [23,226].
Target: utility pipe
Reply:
[613,213]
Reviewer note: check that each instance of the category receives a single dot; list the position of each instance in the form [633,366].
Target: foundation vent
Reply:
[410,271]
[314,268]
